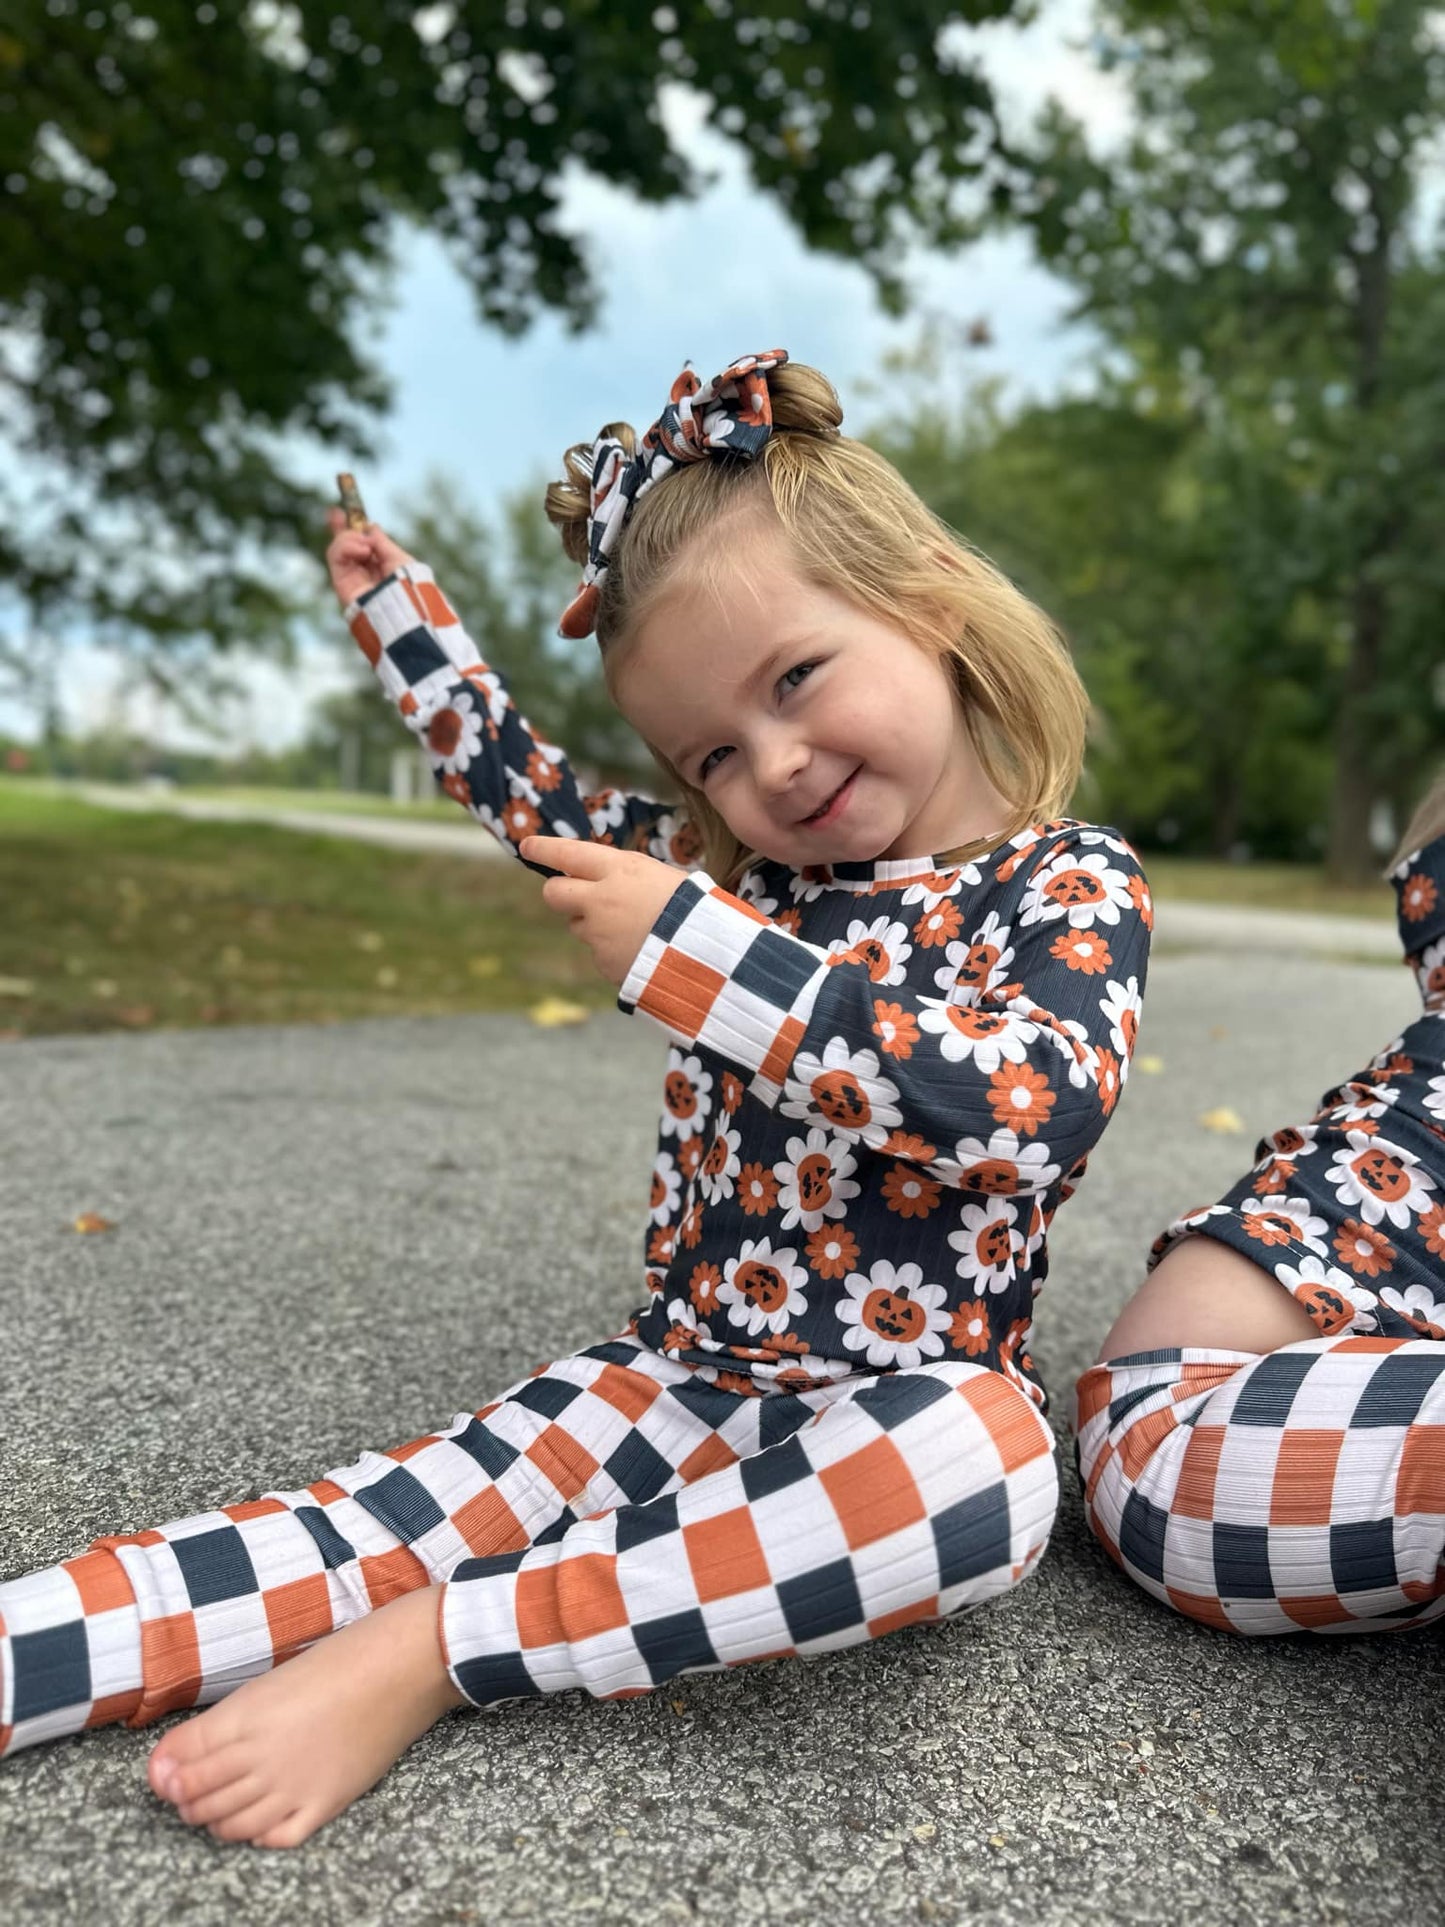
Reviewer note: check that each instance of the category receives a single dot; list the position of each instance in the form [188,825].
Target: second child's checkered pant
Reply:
[1301,1489]
[608,1523]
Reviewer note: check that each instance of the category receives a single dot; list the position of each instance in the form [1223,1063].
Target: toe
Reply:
[233,1797]
[186,1781]
[251,1821]
[290,1833]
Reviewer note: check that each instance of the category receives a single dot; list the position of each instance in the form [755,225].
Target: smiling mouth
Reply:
[825,807]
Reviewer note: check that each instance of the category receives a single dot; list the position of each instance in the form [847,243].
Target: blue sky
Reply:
[700,281]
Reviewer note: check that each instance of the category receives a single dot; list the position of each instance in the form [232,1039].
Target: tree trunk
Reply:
[1350,856]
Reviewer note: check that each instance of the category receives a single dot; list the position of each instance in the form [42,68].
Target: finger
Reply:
[575,856]
[335,521]
[565,895]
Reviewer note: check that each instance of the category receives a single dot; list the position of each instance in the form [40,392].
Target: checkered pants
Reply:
[607,1523]
[1302,1488]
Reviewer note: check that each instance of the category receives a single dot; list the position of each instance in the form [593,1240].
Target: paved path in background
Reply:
[1192,926]
[330,1238]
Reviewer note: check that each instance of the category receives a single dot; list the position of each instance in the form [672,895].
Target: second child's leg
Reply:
[1263,1442]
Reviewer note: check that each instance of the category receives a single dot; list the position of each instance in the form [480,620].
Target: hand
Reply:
[610,898]
[358,559]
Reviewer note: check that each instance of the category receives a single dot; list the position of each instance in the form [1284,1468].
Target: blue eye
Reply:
[802,669]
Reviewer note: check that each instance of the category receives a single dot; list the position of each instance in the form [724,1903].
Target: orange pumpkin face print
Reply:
[1380,1178]
[893,1317]
[762,1288]
[686,1097]
[846,1088]
[988,1242]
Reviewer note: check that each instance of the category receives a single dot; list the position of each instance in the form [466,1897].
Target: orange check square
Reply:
[726,1555]
[873,1493]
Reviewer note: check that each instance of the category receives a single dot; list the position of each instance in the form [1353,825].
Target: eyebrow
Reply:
[763,671]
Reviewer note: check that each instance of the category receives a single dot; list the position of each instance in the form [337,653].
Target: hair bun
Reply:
[802,398]
[569,502]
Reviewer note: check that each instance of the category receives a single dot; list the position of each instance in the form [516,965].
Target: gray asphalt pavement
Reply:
[328,1238]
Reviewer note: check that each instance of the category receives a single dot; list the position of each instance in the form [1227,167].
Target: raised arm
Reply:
[994,1086]
[482,749]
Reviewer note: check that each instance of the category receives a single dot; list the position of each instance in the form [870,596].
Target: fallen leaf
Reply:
[370,940]
[926,1831]
[137,1015]
[386,978]
[89,1221]
[104,987]
[485,966]
[679,1706]
[16,986]
[1219,1032]
[554,1011]
[998,1840]
[1151,1066]
[1225,1122]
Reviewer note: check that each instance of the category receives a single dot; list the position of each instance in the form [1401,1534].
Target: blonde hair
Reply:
[1425,825]
[854,527]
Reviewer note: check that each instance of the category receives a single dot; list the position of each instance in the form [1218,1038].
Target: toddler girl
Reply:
[1264,1448]
[901,992]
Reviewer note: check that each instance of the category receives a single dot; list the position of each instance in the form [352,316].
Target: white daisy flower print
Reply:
[453,734]
[1121,1006]
[666,1189]
[986,1037]
[979,966]
[847,1088]
[686,1095]
[1001,1168]
[1361,1102]
[1420,1305]
[1081,889]
[1330,1296]
[720,1167]
[1071,1040]
[988,1244]
[606,811]
[929,892]
[892,1317]
[882,946]
[815,1180]
[1280,1220]
[1380,1180]
[806,884]
[488,685]
[763,1289]
[1434,1099]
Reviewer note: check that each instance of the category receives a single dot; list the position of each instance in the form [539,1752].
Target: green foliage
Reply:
[1259,258]
[199,203]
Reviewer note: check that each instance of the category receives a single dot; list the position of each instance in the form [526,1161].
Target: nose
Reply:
[778,762]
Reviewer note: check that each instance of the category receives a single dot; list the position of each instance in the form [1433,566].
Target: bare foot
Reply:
[290,1750]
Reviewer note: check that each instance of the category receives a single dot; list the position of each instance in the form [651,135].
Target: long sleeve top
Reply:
[883,1077]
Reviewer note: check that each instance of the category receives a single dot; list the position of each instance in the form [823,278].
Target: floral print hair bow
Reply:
[730,415]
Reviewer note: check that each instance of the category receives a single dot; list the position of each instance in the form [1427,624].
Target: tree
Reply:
[1260,245]
[199,203]
[1165,554]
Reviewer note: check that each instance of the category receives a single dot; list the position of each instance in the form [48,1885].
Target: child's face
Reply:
[783,696]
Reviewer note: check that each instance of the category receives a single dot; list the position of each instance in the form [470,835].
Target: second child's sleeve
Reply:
[482,750]
[997,1086]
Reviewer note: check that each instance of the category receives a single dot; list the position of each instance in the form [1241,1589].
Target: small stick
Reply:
[351,502]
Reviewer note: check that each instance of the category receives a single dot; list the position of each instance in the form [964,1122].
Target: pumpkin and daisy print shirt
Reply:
[883,1077]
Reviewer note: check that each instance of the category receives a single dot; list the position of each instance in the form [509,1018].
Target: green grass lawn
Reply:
[330,802]
[112,920]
